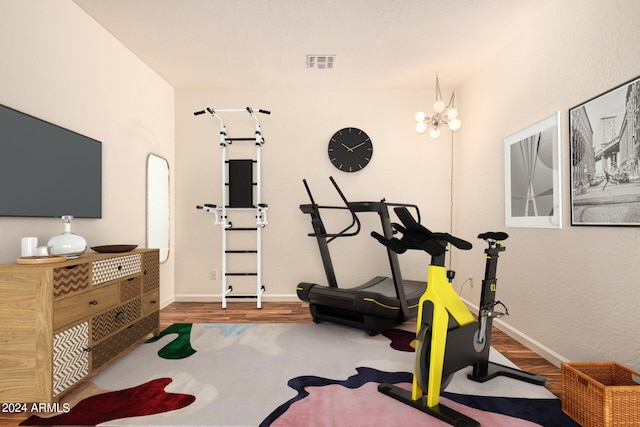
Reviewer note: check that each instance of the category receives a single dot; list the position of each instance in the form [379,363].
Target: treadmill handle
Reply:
[314,211]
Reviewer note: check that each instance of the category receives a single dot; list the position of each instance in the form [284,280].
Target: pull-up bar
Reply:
[223,129]
[232,110]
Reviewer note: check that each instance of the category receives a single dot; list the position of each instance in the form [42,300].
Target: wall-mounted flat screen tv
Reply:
[46,170]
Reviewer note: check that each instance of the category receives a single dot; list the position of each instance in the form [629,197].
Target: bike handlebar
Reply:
[413,226]
[455,241]
[416,236]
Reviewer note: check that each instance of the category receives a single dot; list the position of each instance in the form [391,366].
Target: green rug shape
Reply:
[180,347]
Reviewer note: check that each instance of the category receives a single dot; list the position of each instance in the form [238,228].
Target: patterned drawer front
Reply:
[109,322]
[70,279]
[115,268]
[130,288]
[111,347]
[70,357]
[151,262]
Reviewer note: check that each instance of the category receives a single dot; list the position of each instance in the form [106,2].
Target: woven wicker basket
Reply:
[601,394]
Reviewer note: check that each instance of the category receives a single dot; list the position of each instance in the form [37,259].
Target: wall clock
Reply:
[350,150]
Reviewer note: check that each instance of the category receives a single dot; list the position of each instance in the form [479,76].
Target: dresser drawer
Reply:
[70,279]
[130,288]
[70,357]
[151,274]
[114,268]
[84,305]
[105,324]
[150,302]
[111,347]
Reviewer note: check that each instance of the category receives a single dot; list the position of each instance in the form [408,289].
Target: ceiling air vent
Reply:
[321,62]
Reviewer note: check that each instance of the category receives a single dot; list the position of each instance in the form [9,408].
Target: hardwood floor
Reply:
[528,360]
[298,312]
[236,312]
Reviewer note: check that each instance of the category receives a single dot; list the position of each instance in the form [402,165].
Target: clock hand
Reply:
[353,148]
[348,149]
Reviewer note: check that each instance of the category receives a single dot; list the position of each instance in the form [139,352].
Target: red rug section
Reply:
[146,399]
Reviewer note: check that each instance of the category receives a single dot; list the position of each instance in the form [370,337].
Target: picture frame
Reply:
[533,192]
[604,144]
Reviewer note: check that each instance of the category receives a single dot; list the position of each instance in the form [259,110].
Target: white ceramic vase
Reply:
[67,243]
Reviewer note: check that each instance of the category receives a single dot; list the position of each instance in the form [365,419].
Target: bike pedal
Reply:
[487,310]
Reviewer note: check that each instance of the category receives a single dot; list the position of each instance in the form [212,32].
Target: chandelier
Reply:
[443,115]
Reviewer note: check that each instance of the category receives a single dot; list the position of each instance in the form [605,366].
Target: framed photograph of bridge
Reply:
[533,193]
[604,135]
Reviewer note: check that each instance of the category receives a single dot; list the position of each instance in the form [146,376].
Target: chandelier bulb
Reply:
[421,127]
[439,106]
[434,133]
[452,113]
[455,124]
[420,116]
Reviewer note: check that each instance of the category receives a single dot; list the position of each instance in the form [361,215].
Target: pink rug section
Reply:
[367,407]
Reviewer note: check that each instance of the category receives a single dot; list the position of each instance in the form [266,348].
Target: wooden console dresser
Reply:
[61,322]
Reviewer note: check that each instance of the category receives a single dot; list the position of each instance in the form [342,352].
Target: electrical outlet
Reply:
[213,274]
[471,281]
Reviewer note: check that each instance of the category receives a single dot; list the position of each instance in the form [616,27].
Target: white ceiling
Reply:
[263,43]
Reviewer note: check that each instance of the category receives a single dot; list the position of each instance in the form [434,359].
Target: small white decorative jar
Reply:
[67,243]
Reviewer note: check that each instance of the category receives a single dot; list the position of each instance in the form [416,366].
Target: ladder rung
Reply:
[241,229]
[248,251]
[253,183]
[241,274]
[240,139]
[253,160]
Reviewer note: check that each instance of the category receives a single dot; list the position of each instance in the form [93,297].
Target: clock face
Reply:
[350,150]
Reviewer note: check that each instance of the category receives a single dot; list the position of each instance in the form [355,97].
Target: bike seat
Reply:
[493,235]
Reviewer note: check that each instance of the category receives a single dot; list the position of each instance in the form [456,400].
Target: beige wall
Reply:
[60,66]
[574,290]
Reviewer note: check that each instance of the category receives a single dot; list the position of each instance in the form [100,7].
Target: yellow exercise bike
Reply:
[449,337]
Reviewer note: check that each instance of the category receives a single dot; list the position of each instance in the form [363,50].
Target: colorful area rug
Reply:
[285,375]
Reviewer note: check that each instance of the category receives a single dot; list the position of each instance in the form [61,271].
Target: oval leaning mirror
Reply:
[158,205]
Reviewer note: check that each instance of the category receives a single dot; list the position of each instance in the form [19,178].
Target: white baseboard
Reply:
[166,302]
[525,340]
[217,298]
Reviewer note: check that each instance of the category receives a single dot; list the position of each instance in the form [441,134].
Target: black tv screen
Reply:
[46,170]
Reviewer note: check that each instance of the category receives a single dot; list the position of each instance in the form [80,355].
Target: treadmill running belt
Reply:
[386,287]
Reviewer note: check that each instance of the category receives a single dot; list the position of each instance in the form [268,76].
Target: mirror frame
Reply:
[158,205]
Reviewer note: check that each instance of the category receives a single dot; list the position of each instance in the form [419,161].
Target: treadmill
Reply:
[375,306]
